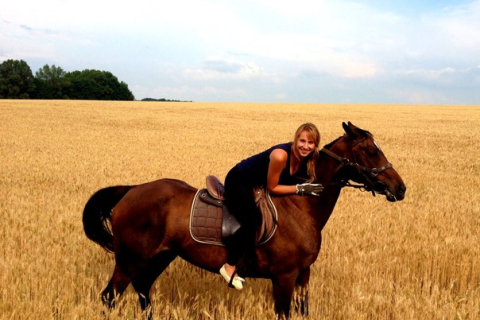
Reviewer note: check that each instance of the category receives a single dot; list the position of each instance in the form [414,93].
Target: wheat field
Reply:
[415,259]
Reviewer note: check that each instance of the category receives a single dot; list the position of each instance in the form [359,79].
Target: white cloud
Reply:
[295,9]
[220,69]
[431,74]
[448,37]
[446,77]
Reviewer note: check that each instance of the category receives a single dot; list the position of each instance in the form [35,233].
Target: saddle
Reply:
[212,223]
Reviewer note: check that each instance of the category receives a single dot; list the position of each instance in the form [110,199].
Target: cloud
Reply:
[26,27]
[432,75]
[448,37]
[446,77]
[221,69]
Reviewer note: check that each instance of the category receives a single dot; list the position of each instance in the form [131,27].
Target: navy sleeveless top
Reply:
[255,168]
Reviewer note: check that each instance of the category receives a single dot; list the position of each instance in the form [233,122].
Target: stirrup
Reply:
[236,282]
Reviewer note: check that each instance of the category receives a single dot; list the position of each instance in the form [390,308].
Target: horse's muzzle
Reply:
[395,195]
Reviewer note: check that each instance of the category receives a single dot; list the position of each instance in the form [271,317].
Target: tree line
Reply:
[51,82]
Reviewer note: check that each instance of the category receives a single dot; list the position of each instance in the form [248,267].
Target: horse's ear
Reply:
[355,132]
[349,129]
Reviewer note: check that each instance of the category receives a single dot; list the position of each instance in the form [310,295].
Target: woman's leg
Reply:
[241,204]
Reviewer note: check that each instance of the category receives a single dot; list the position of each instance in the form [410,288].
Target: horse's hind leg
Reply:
[146,276]
[301,292]
[117,285]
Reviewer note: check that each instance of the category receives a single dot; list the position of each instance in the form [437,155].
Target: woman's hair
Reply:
[312,158]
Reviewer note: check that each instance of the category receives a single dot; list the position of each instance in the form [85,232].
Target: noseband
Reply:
[367,173]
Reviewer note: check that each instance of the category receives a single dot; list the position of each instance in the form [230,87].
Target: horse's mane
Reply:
[327,146]
[364,133]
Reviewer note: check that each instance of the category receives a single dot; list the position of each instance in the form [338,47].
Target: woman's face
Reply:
[304,144]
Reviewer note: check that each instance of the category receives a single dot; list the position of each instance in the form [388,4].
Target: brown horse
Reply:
[149,225]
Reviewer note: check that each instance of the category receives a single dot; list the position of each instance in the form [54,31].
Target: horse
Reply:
[146,226]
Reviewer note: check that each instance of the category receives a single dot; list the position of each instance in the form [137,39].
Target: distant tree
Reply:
[16,80]
[96,85]
[51,83]
[162,100]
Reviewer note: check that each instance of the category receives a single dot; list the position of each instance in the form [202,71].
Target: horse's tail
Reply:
[97,215]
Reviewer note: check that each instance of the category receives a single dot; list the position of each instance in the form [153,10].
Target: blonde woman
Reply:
[287,168]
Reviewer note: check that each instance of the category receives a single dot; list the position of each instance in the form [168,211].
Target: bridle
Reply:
[369,174]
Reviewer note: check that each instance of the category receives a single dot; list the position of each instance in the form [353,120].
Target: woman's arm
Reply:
[278,161]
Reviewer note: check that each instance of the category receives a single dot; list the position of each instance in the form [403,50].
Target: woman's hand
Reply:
[309,189]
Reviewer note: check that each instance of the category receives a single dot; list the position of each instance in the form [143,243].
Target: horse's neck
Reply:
[322,207]
[313,212]
[328,166]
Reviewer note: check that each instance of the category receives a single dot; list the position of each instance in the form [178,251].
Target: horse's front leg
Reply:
[283,286]
[301,292]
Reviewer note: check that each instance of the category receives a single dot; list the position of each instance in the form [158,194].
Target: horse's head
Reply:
[363,161]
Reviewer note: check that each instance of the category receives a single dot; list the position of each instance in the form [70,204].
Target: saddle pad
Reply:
[206,221]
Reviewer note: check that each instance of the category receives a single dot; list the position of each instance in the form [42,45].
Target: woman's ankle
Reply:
[230,269]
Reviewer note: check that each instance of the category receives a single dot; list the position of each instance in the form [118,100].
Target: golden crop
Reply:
[415,259]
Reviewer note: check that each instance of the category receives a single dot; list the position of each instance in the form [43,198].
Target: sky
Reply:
[302,51]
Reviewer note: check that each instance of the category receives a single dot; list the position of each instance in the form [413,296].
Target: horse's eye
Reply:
[371,151]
